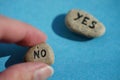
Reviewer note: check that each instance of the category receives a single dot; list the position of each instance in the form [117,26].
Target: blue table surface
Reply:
[76,57]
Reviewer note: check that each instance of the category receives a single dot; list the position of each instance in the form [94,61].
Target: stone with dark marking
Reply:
[83,23]
[40,53]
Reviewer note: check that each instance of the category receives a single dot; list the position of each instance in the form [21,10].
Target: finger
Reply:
[27,71]
[13,31]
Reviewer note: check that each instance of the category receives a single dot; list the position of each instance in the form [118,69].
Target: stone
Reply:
[83,23]
[40,53]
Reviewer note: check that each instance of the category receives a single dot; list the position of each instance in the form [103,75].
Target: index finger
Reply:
[13,31]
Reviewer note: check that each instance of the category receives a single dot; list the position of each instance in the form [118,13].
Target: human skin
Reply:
[13,31]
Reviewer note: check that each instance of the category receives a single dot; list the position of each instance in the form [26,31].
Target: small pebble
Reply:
[83,23]
[40,53]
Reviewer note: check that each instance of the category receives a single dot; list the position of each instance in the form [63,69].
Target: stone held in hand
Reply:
[40,53]
[82,23]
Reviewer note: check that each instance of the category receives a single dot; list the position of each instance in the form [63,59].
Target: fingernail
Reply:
[43,73]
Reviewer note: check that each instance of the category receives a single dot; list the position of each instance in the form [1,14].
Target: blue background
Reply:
[76,57]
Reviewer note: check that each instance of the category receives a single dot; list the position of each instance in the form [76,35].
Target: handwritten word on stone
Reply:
[83,23]
[41,52]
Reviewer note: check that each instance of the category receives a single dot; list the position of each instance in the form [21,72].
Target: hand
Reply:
[13,31]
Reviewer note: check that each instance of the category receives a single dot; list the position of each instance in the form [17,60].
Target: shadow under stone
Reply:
[61,30]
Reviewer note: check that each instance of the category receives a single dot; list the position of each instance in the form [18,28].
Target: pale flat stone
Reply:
[40,53]
[83,23]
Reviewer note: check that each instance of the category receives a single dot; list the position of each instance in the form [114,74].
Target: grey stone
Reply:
[40,53]
[83,23]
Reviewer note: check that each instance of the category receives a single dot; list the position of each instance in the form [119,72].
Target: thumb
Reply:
[27,71]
